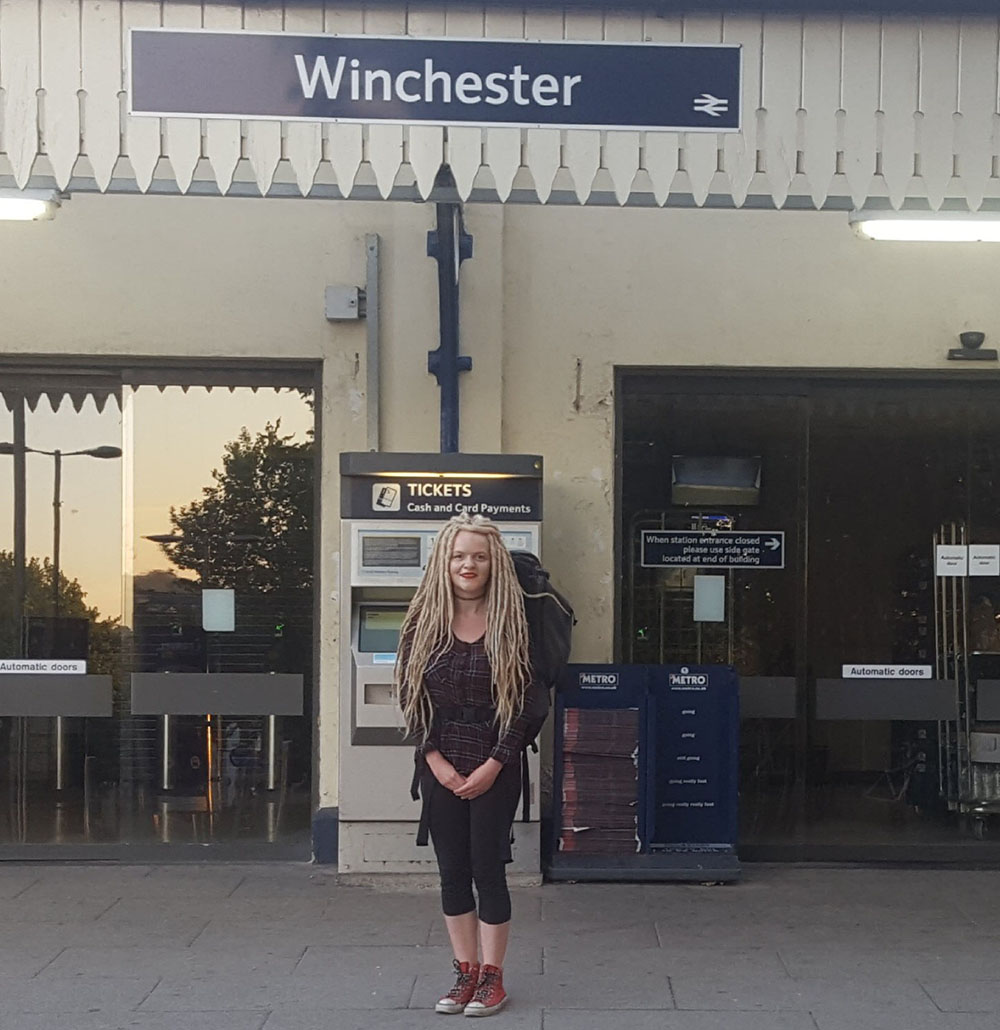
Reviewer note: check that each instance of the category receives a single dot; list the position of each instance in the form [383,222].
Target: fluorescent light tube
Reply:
[927,228]
[28,205]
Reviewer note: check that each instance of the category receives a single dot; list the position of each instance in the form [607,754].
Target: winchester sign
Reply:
[400,79]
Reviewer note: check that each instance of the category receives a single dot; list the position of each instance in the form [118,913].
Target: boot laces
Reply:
[464,981]
[487,983]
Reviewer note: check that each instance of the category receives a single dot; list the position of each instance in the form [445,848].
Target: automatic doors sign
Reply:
[859,671]
[200,74]
[720,549]
[42,666]
[951,560]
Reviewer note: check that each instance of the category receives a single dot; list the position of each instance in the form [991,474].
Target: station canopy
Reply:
[837,110]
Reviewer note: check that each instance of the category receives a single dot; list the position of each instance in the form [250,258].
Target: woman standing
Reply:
[467,693]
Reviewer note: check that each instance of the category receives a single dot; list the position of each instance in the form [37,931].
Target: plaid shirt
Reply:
[462,677]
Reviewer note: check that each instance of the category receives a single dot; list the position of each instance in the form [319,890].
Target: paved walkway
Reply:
[284,947]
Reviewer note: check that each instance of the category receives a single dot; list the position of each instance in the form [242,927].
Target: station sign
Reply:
[442,81]
[719,549]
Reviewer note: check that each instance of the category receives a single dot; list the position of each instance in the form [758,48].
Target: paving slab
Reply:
[907,962]
[776,994]
[51,881]
[16,960]
[167,930]
[411,1019]
[14,882]
[178,961]
[284,945]
[563,958]
[436,962]
[592,938]
[75,1020]
[370,987]
[573,1019]
[587,987]
[75,994]
[966,995]
[62,910]
[380,929]
[861,1020]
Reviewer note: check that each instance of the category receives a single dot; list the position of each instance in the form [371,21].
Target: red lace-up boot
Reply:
[490,996]
[466,982]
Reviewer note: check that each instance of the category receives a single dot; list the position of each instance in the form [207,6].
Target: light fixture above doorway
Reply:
[29,205]
[912,226]
[972,348]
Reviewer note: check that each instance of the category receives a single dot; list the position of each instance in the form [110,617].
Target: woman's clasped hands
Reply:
[468,787]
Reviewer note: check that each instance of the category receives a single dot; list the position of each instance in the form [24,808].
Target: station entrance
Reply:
[157,557]
[864,478]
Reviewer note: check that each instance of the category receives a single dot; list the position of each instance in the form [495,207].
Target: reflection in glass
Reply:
[218,490]
[860,476]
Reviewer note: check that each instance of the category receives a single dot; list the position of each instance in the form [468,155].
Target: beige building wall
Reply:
[554,299]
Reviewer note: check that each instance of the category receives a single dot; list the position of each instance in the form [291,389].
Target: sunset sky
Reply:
[178,439]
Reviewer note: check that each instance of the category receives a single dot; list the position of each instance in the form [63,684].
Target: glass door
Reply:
[156,538]
[870,683]
[761,628]
[888,466]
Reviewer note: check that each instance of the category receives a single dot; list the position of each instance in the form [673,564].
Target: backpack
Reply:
[550,627]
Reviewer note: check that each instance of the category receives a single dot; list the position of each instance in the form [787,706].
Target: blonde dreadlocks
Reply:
[426,630]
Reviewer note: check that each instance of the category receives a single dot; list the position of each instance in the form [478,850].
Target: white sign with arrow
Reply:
[713,549]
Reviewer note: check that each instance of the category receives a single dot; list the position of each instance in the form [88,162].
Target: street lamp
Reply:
[57,456]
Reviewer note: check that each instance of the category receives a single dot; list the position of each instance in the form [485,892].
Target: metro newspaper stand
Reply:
[646,773]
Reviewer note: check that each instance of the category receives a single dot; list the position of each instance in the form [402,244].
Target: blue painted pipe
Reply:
[449,246]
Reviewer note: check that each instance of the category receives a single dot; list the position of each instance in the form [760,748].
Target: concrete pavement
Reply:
[285,947]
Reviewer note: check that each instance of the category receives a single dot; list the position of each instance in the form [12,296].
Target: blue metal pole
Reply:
[449,246]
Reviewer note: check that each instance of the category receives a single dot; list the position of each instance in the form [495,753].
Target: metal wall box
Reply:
[344,303]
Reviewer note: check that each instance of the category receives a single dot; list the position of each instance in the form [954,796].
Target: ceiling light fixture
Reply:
[928,226]
[29,205]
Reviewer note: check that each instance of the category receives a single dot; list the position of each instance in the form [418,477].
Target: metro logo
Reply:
[686,678]
[598,680]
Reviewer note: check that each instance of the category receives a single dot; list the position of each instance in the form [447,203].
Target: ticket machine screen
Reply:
[379,628]
[379,551]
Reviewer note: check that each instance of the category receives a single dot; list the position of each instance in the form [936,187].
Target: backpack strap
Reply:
[526,785]
[420,788]
[419,765]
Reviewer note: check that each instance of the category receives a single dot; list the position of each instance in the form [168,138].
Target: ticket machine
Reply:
[392,507]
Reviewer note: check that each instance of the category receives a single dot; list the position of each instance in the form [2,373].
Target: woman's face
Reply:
[469,564]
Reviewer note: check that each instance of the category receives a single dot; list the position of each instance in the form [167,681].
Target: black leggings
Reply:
[472,843]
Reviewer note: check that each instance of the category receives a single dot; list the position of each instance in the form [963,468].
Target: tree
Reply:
[105,634]
[251,530]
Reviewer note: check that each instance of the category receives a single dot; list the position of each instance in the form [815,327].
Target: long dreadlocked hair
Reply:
[426,631]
